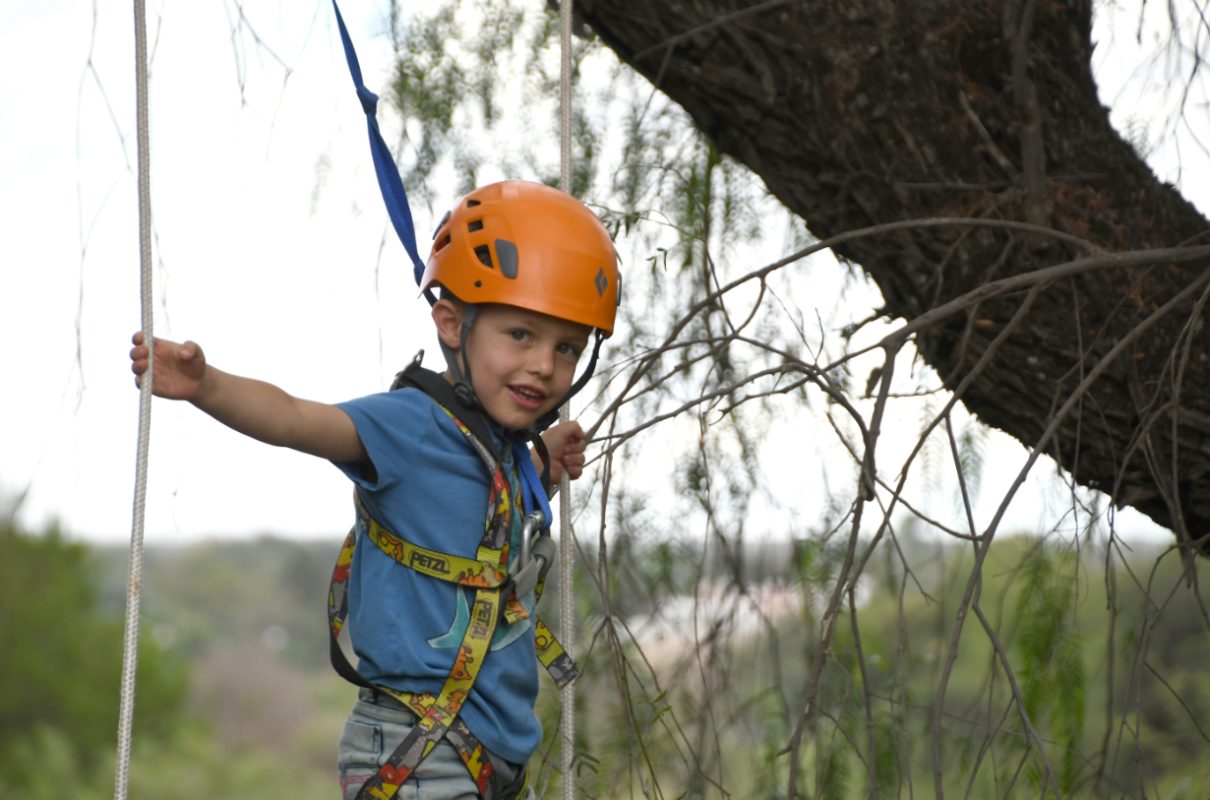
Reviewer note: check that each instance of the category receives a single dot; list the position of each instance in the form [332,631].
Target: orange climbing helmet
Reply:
[527,245]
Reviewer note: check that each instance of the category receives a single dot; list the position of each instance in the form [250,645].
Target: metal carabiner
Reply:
[531,567]
[535,521]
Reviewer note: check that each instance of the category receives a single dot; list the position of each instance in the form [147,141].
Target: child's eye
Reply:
[519,334]
[567,349]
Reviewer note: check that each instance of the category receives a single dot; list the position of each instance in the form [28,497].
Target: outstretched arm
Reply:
[566,443]
[252,407]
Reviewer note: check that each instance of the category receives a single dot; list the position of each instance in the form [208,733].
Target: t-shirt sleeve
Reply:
[392,426]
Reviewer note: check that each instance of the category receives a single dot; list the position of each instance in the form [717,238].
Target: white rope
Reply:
[567,695]
[130,650]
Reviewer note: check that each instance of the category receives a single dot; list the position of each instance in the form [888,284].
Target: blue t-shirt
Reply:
[429,486]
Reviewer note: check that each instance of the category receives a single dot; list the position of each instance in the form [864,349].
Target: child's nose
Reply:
[542,361]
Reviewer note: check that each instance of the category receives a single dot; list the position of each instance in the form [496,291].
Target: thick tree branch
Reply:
[884,111]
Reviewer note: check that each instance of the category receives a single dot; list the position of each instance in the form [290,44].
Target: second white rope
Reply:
[567,695]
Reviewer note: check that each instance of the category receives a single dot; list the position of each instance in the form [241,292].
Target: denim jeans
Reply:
[371,733]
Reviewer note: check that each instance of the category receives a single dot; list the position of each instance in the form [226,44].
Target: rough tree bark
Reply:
[860,112]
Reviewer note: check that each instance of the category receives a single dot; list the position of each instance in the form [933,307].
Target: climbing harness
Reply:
[498,583]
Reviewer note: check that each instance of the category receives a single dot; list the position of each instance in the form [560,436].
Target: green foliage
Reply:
[62,662]
[460,107]
[1051,652]
[715,698]
[226,733]
[187,765]
[430,85]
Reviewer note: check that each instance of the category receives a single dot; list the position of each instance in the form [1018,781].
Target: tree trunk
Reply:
[864,112]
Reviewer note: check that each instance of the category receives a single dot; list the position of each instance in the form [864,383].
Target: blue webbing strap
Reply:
[531,484]
[389,182]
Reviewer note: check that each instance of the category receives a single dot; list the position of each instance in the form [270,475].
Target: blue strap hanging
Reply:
[531,484]
[389,182]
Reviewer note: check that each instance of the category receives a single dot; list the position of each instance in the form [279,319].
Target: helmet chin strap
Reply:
[463,388]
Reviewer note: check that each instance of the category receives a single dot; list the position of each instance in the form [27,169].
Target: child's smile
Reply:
[528,397]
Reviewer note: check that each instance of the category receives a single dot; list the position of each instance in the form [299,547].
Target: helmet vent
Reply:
[442,243]
[506,251]
[485,256]
[472,203]
[474,225]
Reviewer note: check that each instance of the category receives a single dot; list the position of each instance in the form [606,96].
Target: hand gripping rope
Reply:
[130,649]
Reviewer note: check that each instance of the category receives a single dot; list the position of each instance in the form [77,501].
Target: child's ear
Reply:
[447,317]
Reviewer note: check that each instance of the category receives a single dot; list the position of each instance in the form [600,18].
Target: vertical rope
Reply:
[567,695]
[131,639]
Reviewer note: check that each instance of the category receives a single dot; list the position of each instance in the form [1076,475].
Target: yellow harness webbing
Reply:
[488,574]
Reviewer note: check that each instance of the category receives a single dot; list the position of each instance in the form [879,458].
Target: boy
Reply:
[528,276]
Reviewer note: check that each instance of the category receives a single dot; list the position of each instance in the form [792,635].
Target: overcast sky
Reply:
[268,227]
[270,245]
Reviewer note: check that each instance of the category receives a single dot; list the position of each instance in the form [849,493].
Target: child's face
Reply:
[522,363]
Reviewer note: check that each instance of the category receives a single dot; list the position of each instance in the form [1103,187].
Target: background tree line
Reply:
[692,683]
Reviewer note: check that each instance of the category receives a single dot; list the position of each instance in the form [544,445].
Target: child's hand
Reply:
[566,442]
[179,368]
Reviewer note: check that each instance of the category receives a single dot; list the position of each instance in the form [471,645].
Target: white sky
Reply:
[269,226]
[267,255]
